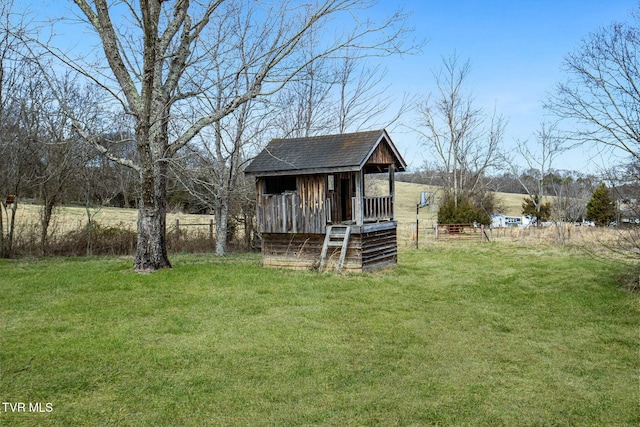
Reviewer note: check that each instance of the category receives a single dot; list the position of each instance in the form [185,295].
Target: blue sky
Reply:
[515,49]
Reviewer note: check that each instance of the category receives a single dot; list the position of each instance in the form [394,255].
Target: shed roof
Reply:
[322,154]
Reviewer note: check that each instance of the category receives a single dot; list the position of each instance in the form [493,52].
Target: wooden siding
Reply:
[370,247]
[379,245]
[382,155]
[302,211]
[312,191]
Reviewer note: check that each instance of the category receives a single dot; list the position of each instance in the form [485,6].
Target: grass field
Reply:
[407,195]
[456,334]
[68,218]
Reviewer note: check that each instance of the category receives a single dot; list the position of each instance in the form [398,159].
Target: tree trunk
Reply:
[151,248]
[89,230]
[12,228]
[125,194]
[45,221]
[151,252]
[152,140]
[248,229]
[221,211]
[3,209]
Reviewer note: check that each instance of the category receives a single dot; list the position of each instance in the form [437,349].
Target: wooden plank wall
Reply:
[302,211]
[382,155]
[312,191]
[379,248]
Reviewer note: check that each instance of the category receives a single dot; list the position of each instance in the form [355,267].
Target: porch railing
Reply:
[377,208]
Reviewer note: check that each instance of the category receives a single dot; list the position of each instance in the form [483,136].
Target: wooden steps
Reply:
[337,236]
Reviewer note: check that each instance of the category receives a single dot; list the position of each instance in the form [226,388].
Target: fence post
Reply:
[436,230]
[211,229]
[417,224]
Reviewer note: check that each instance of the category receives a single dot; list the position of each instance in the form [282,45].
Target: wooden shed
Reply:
[312,210]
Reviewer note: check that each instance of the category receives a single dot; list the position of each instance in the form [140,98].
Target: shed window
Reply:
[279,184]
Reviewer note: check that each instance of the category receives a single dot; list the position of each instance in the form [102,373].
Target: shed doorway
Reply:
[345,194]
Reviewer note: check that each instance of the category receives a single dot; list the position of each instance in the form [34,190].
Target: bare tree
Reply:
[601,98]
[217,165]
[363,98]
[304,106]
[337,96]
[60,156]
[15,150]
[119,139]
[539,159]
[463,139]
[601,95]
[570,199]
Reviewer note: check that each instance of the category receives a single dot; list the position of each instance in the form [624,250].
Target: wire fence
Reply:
[78,238]
[558,234]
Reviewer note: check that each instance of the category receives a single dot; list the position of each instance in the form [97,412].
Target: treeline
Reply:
[571,191]
[507,182]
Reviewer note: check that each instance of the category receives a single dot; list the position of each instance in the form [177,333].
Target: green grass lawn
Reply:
[457,334]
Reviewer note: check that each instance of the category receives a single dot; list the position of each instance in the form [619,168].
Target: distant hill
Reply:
[408,195]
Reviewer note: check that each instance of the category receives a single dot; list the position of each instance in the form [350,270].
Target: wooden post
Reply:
[392,187]
[283,199]
[359,219]
[211,229]
[354,203]
[260,214]
[294,212]
[417,224]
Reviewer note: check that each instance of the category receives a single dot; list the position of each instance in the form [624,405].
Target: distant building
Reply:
[500,220]
[628,211]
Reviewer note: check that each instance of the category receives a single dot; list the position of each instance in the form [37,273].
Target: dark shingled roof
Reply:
[320,154]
